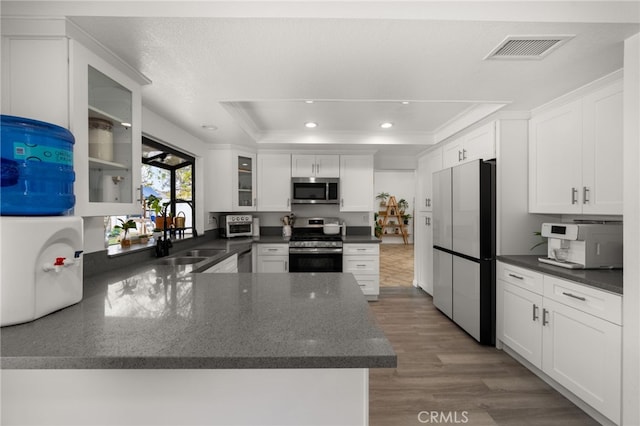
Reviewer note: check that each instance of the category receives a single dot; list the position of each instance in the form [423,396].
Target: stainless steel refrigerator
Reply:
[465,247]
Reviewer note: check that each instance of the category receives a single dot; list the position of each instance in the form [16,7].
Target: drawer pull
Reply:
[361,266]
[272,249]
[516,276]
[544,317]
[362,285]
[535,312]
[362,249]
[574,296]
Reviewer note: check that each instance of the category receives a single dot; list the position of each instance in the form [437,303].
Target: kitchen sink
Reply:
[205,252]
[187,260]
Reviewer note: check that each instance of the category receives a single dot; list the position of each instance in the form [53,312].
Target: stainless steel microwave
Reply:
[312,190]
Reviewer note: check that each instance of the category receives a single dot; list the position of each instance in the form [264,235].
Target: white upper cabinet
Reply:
[304,165]
[231,180]
[55,79]
[427,164]
[107,126]
[356,183]
[575,156]
[602,151]
[477,144]
[274,182]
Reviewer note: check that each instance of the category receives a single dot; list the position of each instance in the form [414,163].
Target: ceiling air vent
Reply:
[527,47]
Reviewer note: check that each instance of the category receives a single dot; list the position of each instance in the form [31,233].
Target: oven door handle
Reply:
[311,250]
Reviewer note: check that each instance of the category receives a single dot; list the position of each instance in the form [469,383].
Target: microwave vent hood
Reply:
[312,190]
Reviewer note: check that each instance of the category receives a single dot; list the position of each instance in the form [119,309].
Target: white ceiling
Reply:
[247,67]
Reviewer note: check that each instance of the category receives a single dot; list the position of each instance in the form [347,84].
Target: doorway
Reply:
[396,251]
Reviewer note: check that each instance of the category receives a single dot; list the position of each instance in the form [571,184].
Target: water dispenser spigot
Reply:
[59,261]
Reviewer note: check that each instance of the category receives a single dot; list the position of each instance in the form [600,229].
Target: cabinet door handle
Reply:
[313,168]
[574,195]
[426,202]
[574,296]
[317,168]
[286,266]
[459,155]
[288,202]
[516,276]
[535,312]
[341,202]
[544,317]
[464,154]
[585,195]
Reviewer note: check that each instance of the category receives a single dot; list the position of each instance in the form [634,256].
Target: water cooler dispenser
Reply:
[40,250]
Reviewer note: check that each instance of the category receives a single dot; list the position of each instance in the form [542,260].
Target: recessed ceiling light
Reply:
[310,125]
[209,127]
[308,102]
[405,102]
[124,124]
[386,125]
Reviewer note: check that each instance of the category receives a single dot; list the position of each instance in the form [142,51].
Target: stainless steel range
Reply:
[310,250]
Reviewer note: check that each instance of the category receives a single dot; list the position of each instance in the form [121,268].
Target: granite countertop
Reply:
[604,279]
[360,239]
[158,316]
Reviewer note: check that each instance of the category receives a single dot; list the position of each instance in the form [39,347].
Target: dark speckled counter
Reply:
[165,317]
[605,279]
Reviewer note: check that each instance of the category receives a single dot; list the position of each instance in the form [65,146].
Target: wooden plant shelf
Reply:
[392,211]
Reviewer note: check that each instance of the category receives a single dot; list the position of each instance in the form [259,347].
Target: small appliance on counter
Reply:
[41,266]
[236,225]
[256,227]
[583,245]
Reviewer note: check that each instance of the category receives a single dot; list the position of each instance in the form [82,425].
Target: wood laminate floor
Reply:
[396,265]
[444,372]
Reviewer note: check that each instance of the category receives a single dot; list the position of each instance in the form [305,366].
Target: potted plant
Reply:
[143,239]
[406,217]
[125,225]
[383,198]
[378,226]
[403,205]
[155,203]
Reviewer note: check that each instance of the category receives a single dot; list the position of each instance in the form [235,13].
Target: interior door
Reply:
[442,281]
[466,295]
[442,209]
[466,209]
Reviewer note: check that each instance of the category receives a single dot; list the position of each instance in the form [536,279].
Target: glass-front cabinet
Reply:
[106,125]
[245,188]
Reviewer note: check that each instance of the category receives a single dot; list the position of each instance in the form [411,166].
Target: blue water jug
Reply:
[37,168]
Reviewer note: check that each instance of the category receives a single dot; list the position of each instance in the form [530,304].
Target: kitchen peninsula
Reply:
[162,345]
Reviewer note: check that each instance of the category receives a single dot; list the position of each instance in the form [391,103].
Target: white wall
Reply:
[386,161]
[631,299]
[400,184]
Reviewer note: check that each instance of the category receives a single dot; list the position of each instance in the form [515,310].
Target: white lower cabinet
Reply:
[229,265]
[571,332]
[363,261]
[272,258]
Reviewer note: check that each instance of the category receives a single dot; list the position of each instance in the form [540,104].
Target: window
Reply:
[167,177]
